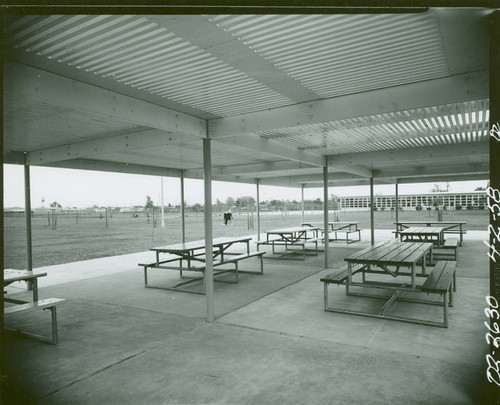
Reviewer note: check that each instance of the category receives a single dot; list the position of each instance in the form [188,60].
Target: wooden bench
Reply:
[200,267]
[449,251]
[340,275]
[48,303]
[442,281]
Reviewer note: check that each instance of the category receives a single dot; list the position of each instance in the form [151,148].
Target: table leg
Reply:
[35,289]
[412,268]
[461,235]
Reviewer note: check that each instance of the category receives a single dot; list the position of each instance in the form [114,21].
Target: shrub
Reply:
[458,207]
[481,207]
[418,208]
[469,207]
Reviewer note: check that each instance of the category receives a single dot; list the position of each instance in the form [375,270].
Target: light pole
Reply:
[162,210]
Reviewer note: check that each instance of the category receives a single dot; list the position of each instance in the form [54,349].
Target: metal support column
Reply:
[27,212]
[302,203]
[325,210]
[258,209]
[209,270]
[397,207]
[183,211]
[372,222]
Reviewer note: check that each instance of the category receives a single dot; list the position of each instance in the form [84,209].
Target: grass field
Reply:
[89,238]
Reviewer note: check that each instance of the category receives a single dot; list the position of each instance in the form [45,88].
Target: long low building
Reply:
[472,200]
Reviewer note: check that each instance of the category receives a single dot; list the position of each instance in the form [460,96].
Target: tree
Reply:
[149,203]
[230,202]
[55,204]
[246,201]
[480,188]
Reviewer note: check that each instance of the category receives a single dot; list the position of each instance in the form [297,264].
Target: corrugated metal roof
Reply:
[278,61]
[438,125]
[342,54]
[138,52]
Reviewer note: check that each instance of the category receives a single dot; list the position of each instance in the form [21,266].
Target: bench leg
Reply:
[145,276]
[445,306]
[451,296]
[261,264]
[325,295]
[54,325]
[53,339]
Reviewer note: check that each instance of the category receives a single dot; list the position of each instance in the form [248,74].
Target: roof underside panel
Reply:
[184,157]
[30,125]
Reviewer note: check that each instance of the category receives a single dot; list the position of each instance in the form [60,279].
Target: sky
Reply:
[82,188]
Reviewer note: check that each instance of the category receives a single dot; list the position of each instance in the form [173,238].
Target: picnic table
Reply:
[336,227]
[450,227]
[191,257]
[433,234]
[10,276]
[387,259]
[292,238]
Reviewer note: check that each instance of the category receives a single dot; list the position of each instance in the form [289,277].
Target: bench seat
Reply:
[340,275]
[449,251]
[441,278]
[48,303]
[442,281]
[451,243]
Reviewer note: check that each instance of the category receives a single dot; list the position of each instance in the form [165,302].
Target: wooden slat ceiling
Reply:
[232,66]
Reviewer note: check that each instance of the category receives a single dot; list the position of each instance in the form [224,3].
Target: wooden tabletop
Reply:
[391,253]
[431,222]
[293,229]
[10,276]
[422,230]
[334,223]
[200,244]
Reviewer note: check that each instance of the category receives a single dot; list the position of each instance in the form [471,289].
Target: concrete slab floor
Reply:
[121,343]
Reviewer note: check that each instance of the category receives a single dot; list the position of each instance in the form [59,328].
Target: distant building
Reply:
[472,200]
[132,210]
